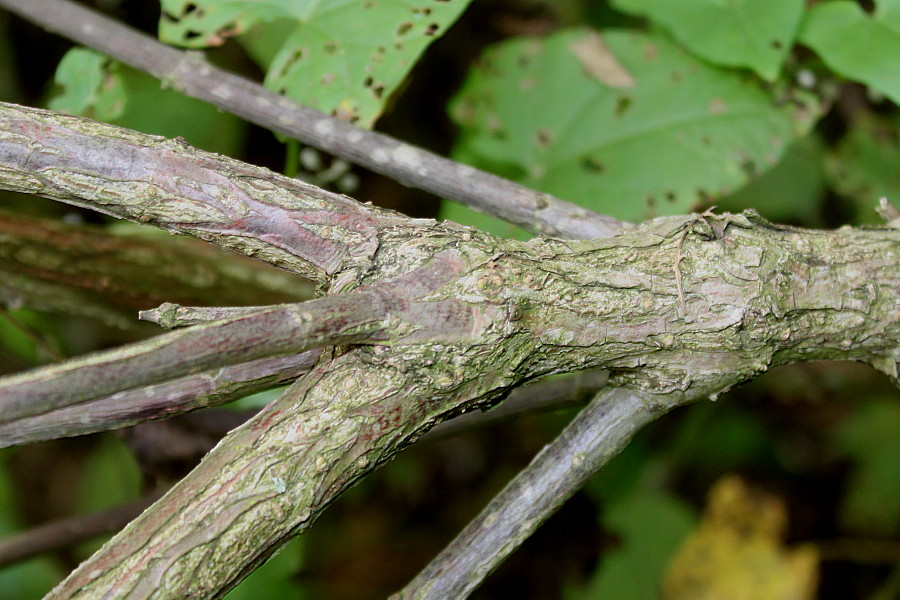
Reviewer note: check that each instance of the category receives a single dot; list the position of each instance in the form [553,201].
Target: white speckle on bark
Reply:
[379,156]
[407,156]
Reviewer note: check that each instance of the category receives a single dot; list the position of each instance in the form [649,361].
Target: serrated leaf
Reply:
[739,33]
[860,47]
[684,133]
[338,56]
[96,86]
[864,166]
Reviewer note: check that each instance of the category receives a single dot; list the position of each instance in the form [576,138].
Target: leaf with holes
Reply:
[858,46]
[337,56]
[741,33]
[682,133]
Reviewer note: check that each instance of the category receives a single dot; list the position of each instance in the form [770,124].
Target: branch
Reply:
[755,296]
[189,73]
[598,433]
[172,186]
[88,271]
[276,331]
[185,394]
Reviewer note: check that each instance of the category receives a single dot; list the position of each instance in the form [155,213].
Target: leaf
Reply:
[96,86]
[685,132]
[858,46]
[871,438]
[739,33]
[736,552]
[342,57]
[863,167]
[650,526]
[88,87]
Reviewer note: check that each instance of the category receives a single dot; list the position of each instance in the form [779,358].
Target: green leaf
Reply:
[89,88]
[627,124]
[871,438]
[858,46]
[339,56]
[864,166]
[738,33]
[650,526]
[96,86]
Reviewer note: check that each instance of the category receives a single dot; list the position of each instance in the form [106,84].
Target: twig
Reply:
[87,270]
[280,330]
[68,532]
[189,73]
[170,316]
[160,401]
[594,436]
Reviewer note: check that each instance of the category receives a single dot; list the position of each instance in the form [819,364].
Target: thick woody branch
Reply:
[189,73]
[276,331]
[754,296]
[560,469]
[161,401]
[168,184]
[87,271]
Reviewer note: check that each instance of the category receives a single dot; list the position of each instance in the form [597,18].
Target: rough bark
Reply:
[676,308]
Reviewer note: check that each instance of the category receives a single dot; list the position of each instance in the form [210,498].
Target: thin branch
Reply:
[68,532]
[171,316]
[89,271]
[189,73]
[595,435]
[204,390]
[277,331]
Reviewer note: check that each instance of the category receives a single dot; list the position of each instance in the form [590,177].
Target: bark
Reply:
[676,308]
[84,270]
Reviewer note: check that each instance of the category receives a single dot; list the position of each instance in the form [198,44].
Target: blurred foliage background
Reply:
[788,487]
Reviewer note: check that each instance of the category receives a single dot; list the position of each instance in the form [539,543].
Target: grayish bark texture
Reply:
[676,308]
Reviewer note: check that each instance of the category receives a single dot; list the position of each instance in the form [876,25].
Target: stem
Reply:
[280,330]
[189,73]
[203,390]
